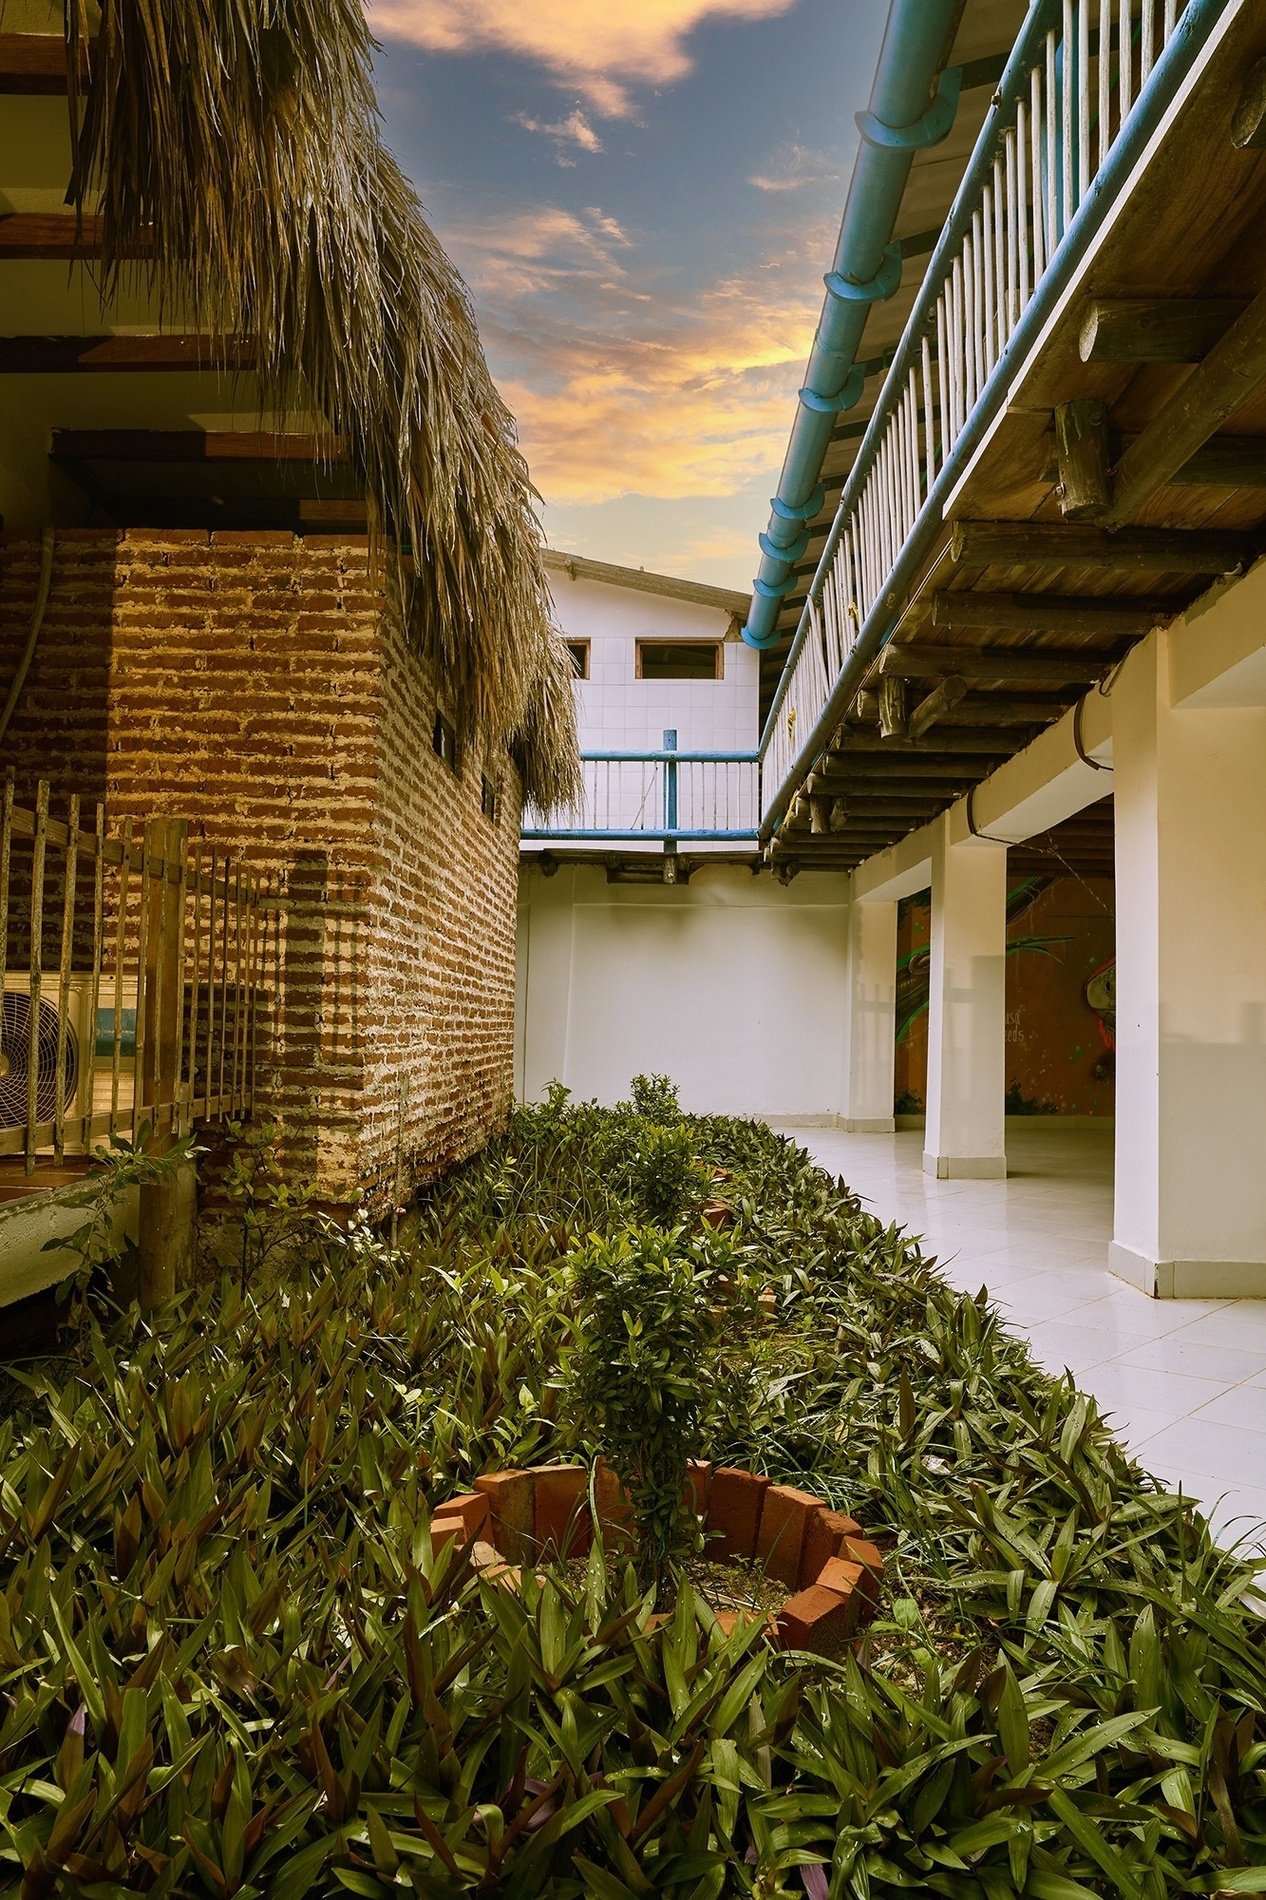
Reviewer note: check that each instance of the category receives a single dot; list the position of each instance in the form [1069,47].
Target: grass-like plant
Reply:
[232,1667]
[641,1377]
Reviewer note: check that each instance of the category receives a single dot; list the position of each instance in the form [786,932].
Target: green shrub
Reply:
[641,1376]
[666,1182]
[655,1099]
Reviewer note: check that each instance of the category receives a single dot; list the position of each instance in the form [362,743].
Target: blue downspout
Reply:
[867,267]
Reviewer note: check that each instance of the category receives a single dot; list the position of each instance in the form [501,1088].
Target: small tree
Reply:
[655,1098]
[642,1376]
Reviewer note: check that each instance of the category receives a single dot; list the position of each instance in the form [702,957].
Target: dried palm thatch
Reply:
[236,143]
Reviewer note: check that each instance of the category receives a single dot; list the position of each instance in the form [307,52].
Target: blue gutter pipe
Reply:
[867,268]
[1163,84]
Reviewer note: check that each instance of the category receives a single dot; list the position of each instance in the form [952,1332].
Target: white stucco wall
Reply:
[732,984]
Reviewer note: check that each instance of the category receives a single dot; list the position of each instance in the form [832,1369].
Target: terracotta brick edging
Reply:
[830,1569]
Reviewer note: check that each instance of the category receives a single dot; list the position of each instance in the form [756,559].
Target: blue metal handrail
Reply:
[659,789]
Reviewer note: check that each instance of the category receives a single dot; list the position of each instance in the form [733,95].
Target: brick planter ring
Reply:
[830,1569]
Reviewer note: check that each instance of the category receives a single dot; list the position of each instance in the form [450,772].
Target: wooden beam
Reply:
[122,355]
[1129,551]
[49,236]
[1028,666]
[939,701]
[32,64]
[1002,709]
[1051,613]
[191,445]
[1225,461]
[969,743]
[864,799]
[1155,329]
[1219,384]
[1248,122]
[1084,453]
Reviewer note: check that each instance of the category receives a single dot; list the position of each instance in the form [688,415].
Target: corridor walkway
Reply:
[1184,1381]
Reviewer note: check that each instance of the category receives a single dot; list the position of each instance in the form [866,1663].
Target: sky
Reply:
[642,196]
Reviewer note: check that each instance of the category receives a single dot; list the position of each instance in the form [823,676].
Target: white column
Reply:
[870,1017]
[1191,988]
[965,1136]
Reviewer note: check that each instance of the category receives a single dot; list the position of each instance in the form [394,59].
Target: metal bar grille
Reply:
[135,976]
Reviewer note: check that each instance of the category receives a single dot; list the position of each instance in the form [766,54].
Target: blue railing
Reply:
[668,796]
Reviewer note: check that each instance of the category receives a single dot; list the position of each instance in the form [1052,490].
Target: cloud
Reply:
[600,54]
[620,388]
[575,129]
[516,255]
[794,167]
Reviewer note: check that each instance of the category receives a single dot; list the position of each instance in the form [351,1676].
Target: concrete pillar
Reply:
[870,1005]
[966,1123]
[1190,1215]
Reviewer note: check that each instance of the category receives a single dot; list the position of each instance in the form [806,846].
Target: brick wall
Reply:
[258,685]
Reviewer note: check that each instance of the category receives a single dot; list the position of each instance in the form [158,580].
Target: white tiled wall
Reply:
[621,713]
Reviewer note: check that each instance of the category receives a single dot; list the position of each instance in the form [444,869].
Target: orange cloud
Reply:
[619,392]
[629,42]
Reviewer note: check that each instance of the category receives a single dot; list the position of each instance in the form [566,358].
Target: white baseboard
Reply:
[1188,1279]
[965,1167]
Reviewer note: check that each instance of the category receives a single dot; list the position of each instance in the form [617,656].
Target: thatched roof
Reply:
[236,143]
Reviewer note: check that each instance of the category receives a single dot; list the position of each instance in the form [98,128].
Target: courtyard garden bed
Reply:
[239,1655]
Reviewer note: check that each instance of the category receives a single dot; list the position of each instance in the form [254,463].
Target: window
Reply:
[488,799]
[680,660]
[579,651]
[444,740]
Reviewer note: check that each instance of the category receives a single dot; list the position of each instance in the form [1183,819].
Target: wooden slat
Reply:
[49,236]
[32,64]
[1050,613]
[1129,550]
[1032,666]
[1219,384]
[191,445]
[122,355]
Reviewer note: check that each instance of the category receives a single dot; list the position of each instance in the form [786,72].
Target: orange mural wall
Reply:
[1058,1056]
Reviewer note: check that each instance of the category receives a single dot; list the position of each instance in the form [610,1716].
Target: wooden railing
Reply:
[1079,72]
[136,972]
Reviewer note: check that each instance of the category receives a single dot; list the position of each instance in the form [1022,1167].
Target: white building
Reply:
[640,953]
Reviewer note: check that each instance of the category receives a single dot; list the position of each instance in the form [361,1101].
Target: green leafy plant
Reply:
[656,1099]
[233,1665]
[275,1213]
[640,1376]
[666,1181]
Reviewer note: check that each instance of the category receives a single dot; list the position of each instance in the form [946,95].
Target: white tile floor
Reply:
[1184,1381]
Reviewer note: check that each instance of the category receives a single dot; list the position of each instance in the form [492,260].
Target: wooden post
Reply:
[893,713]
[167,1229]
[167,1235]
[1085,459]
[166,840]
[819,815]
